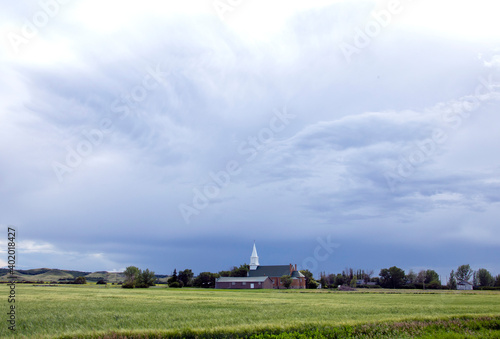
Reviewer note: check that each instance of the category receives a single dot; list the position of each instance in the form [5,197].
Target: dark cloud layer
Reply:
[166,138]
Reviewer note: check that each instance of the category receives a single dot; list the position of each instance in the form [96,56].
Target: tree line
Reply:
[134,277]
[395,277]
[392,277]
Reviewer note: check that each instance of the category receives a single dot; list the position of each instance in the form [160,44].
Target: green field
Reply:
[93,310]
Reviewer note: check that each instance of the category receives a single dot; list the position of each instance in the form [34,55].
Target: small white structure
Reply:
[464,285]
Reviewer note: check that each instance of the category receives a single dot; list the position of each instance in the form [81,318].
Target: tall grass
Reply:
[94,310]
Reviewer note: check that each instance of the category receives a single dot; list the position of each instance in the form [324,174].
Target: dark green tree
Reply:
[241,271]
[464,273]
[421,277]
[131,275]
[308,276]
[430,276]
[411,277]
[205,280]
[339,280]
[145,279]
[80,280]
[312,284]
[286,280]
[452,281]
[497,280]
[485,278]
[173,278]
[186,277]
[323,281]
[393,277]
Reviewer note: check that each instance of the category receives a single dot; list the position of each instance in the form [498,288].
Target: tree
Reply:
[286,280]
[411,277]
[241,271]
[421,277]
[323,281]
[452,282]
[145,279]
[175,284]
[308,275]
[186,277]
[430,276]
[173,281]
[393,277]
[312,284]
[484,277]
[354,281]
[339,280]
[80,280]
[464,273]
[173,278]
[205,280]
[497,280]
[131,274]
[475,279]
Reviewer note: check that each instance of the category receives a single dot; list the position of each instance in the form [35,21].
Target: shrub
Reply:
[346,288]
[175,284]
[128,285]
[80,280]
[145,279]
[370,286]
[434,285]
[312,284]
[101,282]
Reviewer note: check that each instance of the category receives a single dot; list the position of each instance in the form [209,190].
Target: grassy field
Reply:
[93,311]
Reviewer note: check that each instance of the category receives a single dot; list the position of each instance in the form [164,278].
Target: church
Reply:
[263,276]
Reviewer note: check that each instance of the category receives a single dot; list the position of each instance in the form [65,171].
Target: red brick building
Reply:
[244,282]
[275,272]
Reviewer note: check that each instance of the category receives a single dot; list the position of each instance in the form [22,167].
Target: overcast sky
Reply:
[335,134]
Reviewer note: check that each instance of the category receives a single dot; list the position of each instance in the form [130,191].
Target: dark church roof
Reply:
[297,274]
[270,271]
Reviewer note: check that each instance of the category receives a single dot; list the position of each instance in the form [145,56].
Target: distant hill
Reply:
[56,275]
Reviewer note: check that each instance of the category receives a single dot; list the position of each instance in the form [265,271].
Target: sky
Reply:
[168,136]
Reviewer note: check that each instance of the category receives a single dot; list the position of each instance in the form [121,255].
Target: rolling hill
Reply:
[40,275]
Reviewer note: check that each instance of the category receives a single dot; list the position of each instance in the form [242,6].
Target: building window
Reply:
[233,283]
[244,283]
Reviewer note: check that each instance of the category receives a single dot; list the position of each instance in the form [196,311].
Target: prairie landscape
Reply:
[93,311]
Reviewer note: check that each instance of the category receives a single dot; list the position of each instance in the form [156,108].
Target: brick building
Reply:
[244,282]
[275,272]
[263,276]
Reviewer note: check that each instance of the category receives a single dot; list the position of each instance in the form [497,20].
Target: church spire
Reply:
[254,259]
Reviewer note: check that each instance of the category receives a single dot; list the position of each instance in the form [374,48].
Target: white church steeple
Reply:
[254,259]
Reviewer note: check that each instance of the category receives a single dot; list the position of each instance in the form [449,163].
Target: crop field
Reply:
[93,311]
